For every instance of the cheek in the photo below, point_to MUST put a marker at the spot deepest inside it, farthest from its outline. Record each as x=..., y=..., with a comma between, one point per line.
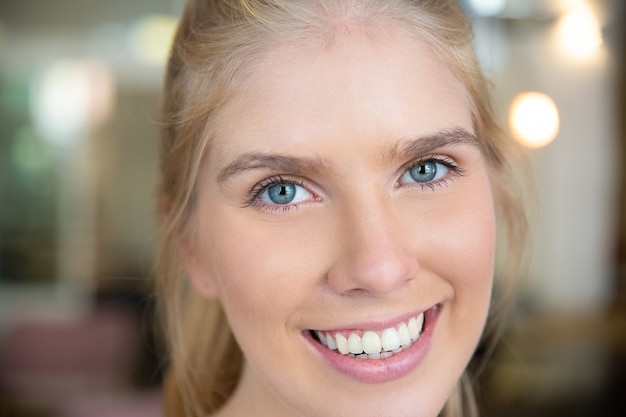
x=260, y=271
x=461, y=243
x=470, y=239
x=461, y=252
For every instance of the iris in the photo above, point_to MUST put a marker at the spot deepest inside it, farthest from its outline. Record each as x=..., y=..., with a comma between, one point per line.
x=424, y=172
x=282, y=193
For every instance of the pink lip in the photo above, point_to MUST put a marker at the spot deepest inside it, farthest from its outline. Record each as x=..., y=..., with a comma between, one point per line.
x=381, y=370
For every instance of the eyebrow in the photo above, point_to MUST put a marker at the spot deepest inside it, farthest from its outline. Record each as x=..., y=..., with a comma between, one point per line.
x=282, y=163
x=430, y=143
x=260, y=160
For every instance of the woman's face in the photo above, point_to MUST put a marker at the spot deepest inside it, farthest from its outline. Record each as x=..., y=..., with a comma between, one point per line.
x=346, y=199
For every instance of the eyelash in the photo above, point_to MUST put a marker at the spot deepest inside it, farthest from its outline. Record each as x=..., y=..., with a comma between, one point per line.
x=455, y=171
x=255, y=193
x=259, y=189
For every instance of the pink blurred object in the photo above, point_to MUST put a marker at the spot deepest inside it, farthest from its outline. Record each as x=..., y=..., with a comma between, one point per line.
x=51, y=363
x=140, y=405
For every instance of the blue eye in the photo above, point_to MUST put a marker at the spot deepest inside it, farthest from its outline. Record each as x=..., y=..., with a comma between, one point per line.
x=284, y=193
x=281, y=193
x=425, y=172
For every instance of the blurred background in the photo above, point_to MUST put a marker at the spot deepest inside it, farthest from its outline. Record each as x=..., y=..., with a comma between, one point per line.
x=79, y=87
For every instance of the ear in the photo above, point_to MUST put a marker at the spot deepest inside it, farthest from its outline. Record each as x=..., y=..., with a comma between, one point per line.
x=197, y=270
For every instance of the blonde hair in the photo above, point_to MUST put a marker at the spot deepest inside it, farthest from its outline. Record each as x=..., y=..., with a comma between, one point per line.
x=215, y=47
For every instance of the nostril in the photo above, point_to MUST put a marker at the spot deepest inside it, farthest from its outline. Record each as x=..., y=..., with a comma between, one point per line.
x=373, y=277
x=376, y=255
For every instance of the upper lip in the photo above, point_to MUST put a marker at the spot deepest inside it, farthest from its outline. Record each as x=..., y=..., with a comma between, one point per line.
x=374, y=325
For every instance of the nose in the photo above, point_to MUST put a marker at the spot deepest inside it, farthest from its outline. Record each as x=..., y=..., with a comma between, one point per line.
x=374, y=254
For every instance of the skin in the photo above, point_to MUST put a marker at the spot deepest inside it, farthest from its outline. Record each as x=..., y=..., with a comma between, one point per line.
x=363, y=243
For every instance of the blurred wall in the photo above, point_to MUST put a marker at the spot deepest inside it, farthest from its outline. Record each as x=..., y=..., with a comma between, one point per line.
x=577, y=176
x=79, y=86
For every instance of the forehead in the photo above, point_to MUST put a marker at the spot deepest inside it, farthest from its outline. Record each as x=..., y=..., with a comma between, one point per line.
x=387, y=83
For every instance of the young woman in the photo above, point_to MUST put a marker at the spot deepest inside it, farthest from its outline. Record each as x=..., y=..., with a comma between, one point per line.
x=331, y=178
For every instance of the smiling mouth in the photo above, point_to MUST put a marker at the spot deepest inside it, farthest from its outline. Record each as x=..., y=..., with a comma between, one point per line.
x=372, y=344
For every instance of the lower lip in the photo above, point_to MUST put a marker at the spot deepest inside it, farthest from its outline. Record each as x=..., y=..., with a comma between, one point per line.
x=382, y=370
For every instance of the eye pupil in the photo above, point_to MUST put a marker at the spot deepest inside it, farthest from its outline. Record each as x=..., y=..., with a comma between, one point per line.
x=282, y=193
x=424, y=172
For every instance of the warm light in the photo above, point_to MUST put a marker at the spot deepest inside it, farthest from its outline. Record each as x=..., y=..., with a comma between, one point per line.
x=152, y=37
x=579, y=32
x=487, y=7
x=534, y=119
x=71, y=97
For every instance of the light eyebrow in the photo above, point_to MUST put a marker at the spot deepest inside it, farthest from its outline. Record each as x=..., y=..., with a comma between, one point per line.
x=430, y=143
x=273, y=162
x=301, y=165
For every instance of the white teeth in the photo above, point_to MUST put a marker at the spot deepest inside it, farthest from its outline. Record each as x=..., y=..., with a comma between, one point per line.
x=403, y=334
x=415, y=327
x=342, y=344
x=354, y=344
x=371, y=343
x=420, y=322
x=330, y=342
x=390, y=339
x=414, y=331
